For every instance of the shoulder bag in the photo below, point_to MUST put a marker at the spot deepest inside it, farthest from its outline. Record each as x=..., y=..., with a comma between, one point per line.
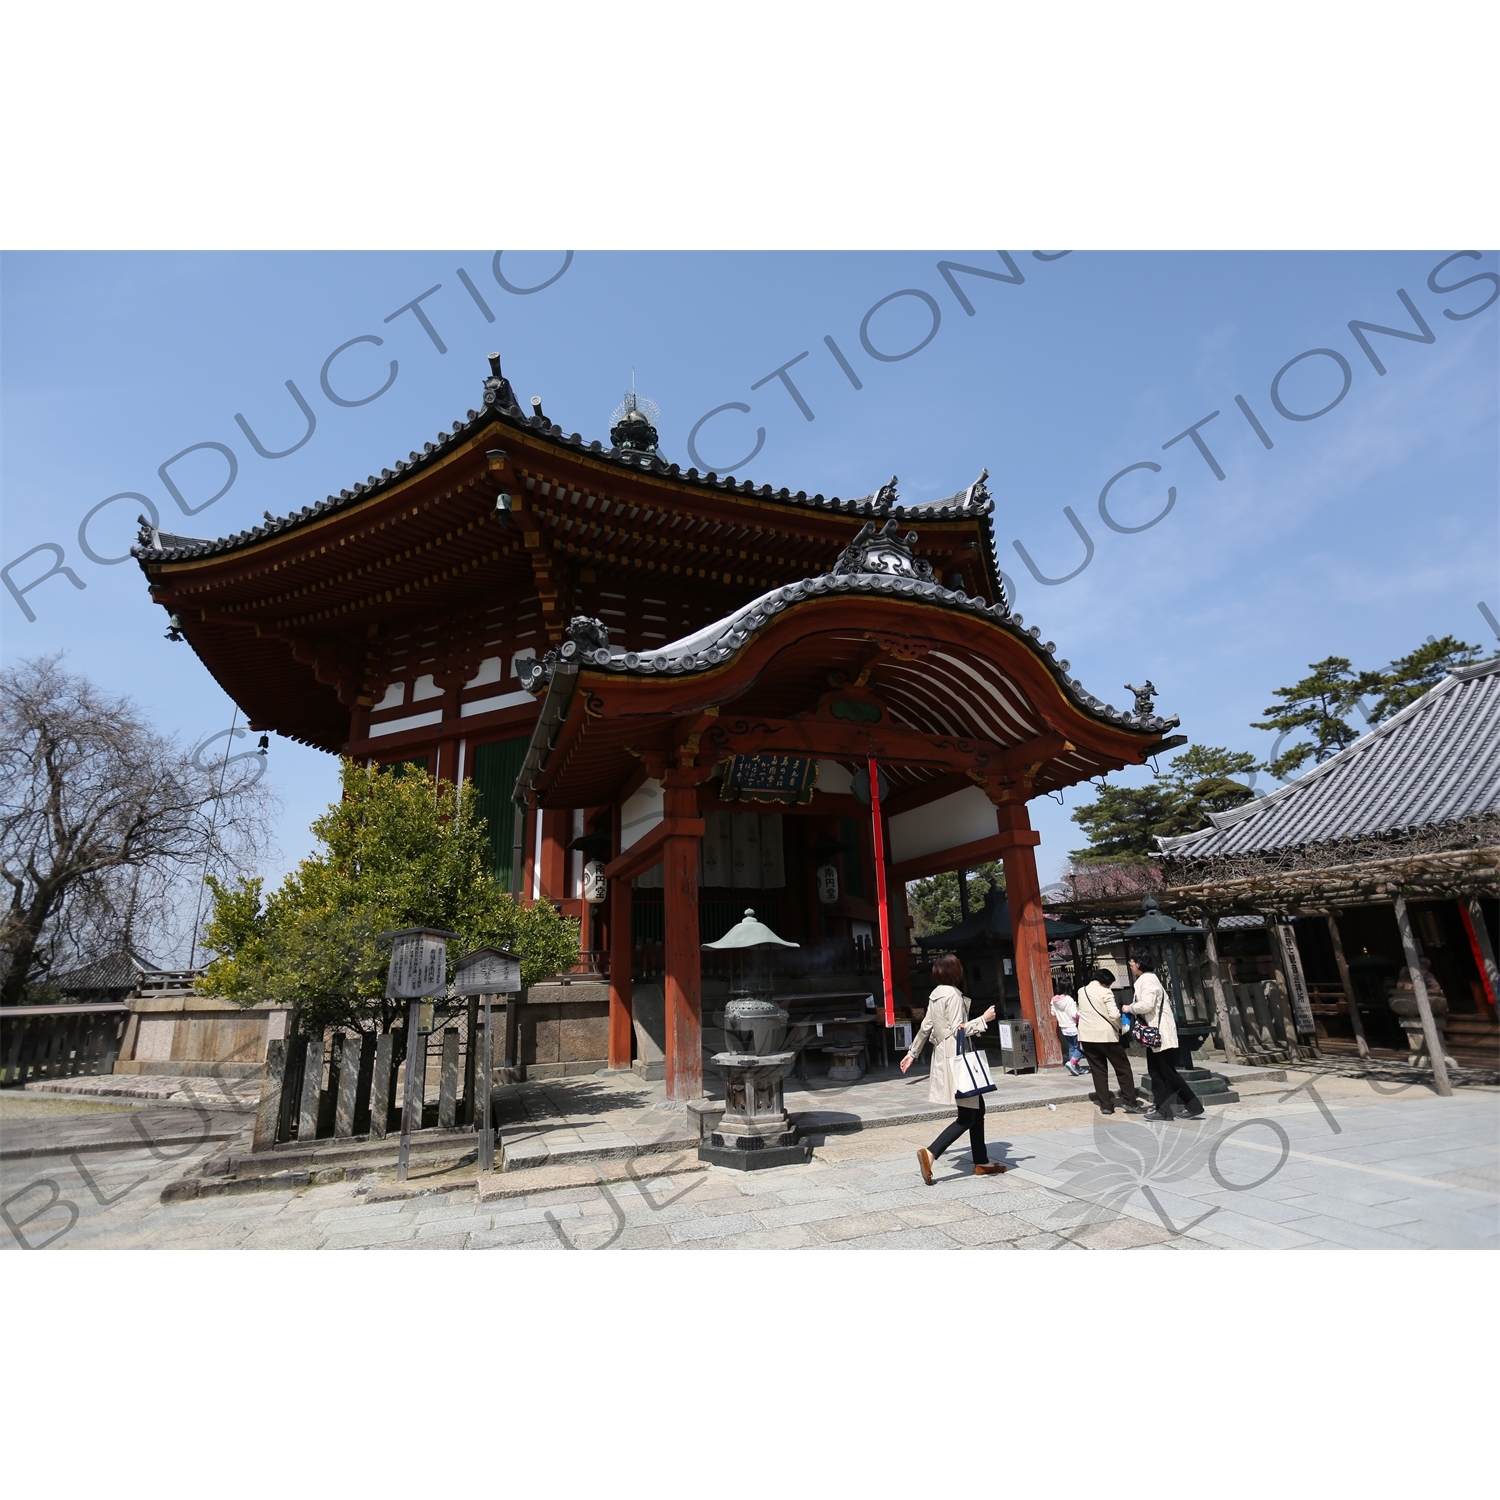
x=1150, y=1036
x=971, y=1070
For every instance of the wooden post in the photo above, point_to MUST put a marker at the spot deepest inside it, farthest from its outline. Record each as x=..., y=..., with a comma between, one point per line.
x=312, y=1083
x=1355, y=1019
x=380, y=1088
x=343, y=1121
x=682, y=981
x=882, y=898
x=470, y=1061
x=1479, y=940
x=448, y=1082
x=621, y=995
x=268, y=1111
x=411, y=1100
x=1028, y=930
x=1225, y=1012
x=1424, y=1005
x=483, y=1115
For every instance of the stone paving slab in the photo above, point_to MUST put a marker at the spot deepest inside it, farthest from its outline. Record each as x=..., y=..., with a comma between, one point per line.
x=164, y=1129
x=206, y=1093
x=610, y=1115
x=863, y=1191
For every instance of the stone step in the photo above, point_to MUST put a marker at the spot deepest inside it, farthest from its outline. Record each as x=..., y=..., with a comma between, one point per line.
x=528, y=1154
x=221, y=1184
x=1200, y=1080
x=350, y=1150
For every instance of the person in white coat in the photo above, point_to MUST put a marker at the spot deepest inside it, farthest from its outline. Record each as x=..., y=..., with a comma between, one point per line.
x=947, y=1015
x=1153, y=1007
x=1100, y=1030
x=1065, y=1012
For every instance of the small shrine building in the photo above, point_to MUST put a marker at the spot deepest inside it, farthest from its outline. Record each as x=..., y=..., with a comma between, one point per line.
x=685, y=678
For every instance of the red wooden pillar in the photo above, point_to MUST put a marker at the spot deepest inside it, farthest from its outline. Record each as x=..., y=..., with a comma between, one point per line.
x=1024, y=892
x=682, y=981
x=620, y=950
x=556, y=832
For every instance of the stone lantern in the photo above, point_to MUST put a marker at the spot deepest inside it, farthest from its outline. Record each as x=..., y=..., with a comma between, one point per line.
x=755, y=1130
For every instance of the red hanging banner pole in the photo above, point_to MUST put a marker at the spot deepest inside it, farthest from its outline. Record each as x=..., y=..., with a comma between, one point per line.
x=1474, y=948
x=880, y=896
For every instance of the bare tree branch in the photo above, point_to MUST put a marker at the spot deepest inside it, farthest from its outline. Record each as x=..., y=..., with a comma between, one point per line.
x=106, y=826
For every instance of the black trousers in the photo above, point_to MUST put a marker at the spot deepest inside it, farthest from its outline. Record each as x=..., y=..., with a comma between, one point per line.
x=1100, y=1055
x=971, y=1120
x=1167, y=1082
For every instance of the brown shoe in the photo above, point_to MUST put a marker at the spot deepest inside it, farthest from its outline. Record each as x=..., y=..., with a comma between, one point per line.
x=988, y=1168
x=924, y=1160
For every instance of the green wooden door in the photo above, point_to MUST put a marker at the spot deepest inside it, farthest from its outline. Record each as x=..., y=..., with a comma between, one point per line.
x=495, y=768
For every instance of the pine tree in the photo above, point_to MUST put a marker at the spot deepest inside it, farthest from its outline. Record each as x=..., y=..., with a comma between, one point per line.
x=934, y=901
x=1320, y=704
x=1124, y=822
x=1409, y=676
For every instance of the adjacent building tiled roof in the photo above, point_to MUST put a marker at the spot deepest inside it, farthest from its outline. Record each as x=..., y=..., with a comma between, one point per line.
x=118, y=971
x=1436, y=762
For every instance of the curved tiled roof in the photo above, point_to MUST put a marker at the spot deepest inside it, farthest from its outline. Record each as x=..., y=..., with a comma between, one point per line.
x=1434, y=763
x=500, y=406
x=714, y=644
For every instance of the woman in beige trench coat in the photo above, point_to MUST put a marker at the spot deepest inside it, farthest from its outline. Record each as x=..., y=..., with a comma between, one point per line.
x=947, y=1014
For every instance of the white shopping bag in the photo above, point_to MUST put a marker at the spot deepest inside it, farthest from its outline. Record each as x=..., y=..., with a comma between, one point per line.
x=971, y=1071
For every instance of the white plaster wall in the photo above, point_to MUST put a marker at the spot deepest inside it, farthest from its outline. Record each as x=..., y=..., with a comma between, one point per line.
x=959, y=818
x=489, y=671
x=641, y=813
x=835, y=778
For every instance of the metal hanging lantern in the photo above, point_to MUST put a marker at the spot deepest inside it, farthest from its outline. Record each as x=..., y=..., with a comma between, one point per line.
x=1174, y=946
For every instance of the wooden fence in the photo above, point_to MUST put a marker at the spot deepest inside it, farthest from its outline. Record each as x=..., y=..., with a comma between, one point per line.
x=59, y=1041
x=346, y=1084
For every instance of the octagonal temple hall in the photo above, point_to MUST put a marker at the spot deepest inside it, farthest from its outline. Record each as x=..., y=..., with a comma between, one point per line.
x=684, y=678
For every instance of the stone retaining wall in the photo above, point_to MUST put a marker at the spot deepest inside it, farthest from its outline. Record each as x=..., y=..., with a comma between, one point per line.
x=191, y=1036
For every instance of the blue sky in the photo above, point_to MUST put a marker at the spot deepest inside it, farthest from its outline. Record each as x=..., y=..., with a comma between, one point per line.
x=1359, y=533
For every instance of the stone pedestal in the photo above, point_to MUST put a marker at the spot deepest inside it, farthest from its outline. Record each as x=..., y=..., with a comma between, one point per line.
x=1211, y=1088
x=844, y=1063
x=1404, y=1004
x=649, y=1018
x=754, y=1130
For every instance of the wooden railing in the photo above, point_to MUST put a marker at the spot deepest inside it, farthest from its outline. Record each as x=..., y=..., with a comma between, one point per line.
x=59, y=1041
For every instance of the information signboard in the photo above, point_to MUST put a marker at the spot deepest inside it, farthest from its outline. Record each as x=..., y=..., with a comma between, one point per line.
x=487, y=971
x=419, y=963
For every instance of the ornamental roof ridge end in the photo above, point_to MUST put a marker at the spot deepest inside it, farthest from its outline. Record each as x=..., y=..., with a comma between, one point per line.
x=499, y=404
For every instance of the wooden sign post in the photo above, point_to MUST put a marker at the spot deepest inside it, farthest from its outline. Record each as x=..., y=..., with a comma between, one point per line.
x=486, y=972
x=418, y=972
